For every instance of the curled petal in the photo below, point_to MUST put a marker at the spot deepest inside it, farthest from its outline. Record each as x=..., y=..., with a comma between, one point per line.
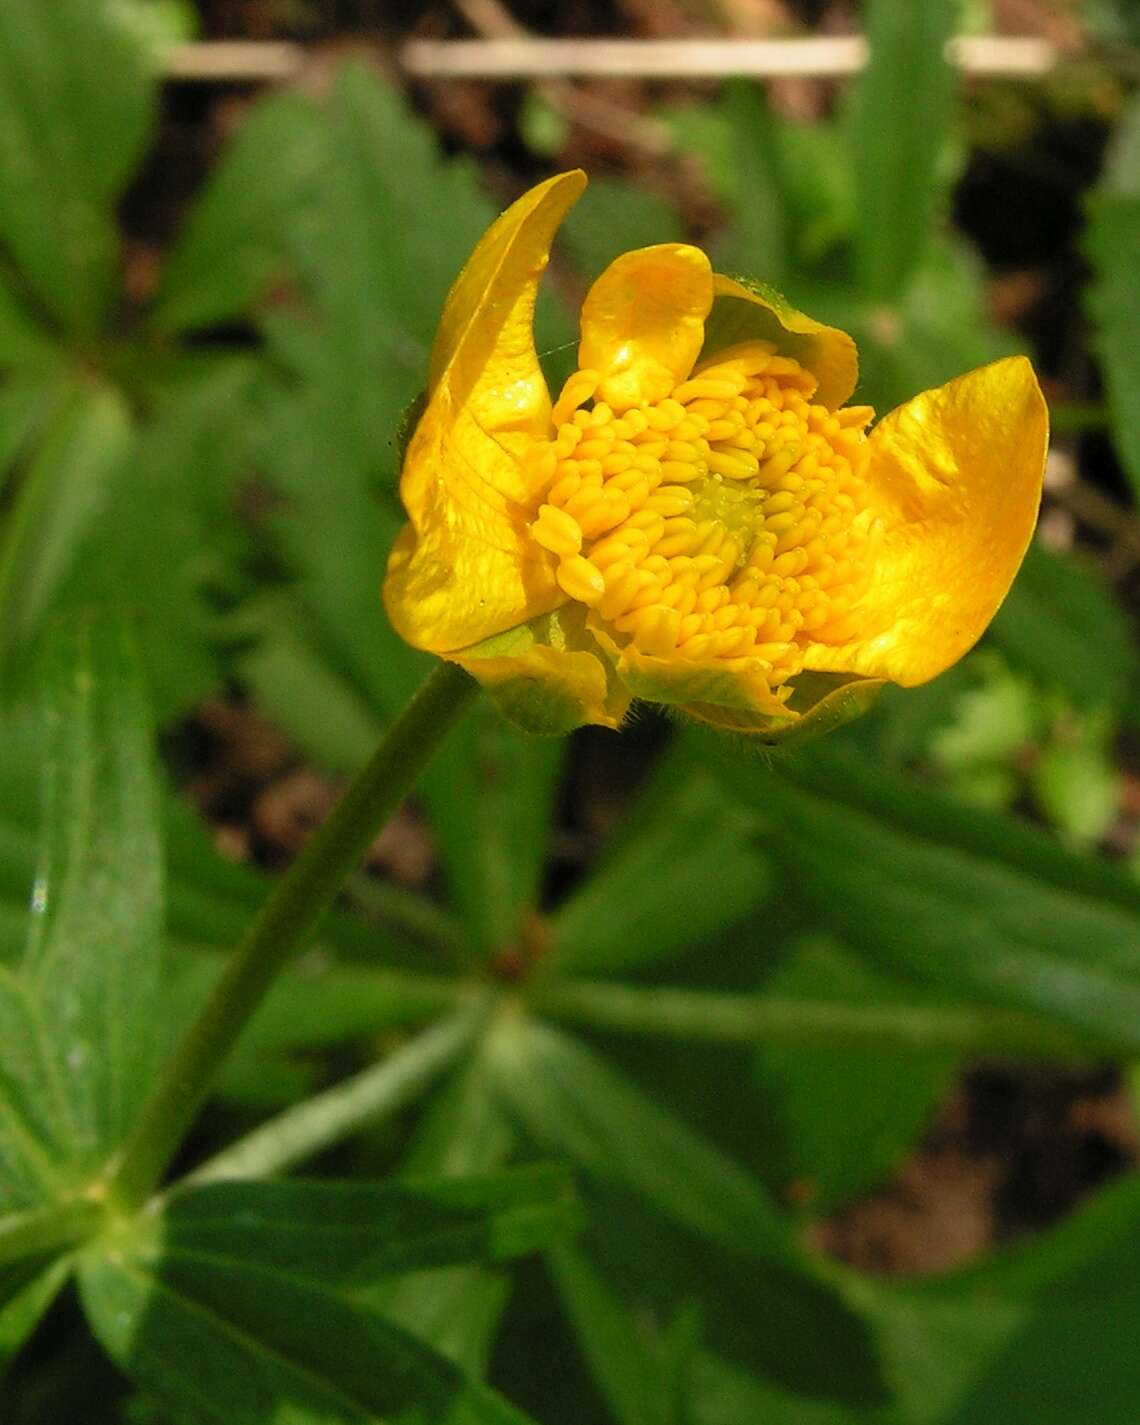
x=954, y=483
x=821, y=702
x=465, y=567
x=546, y=676
x=751, y=311
x=643, y=322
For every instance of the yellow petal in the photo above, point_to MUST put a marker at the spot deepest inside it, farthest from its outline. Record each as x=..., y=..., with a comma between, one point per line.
x=466, y=567
x=751, y=311
x=643, y=322
x=546, y=676
x=955, y=483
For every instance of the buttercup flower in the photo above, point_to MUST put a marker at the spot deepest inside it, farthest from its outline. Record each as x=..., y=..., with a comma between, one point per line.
x=696, y=519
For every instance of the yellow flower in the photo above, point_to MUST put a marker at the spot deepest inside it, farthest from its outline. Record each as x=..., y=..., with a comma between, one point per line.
x=697, y=519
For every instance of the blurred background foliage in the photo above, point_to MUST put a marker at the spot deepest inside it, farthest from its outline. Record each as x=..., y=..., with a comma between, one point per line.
x=837, y=1046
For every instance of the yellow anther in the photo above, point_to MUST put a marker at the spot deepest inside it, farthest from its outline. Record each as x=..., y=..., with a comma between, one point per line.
x=699, y=646
x=712, y=601
x=690, y=626
x=778, y=503
x=557, y=531
x=725, y=427
x=670, y=501
x=593, y=448
x=665, y=416
x=609, y=553
x=580, y=580
x=722, y=524
x=604, y=514
x=685, y=450
x=578, y=389
x=567, y=485
x=657, y=631
x=719, y=388
x=736, y=465
x=541, y=461
x=680, y=472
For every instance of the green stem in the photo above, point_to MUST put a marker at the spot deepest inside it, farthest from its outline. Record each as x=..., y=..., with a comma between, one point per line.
x=328, y=1118
x=756, y=1019
x=299, y=898
x=45, y=1230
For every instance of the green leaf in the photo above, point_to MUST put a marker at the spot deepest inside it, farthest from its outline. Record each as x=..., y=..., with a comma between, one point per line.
x=92, y=961
x=614, y=216
x=26, y=405
x=76, y=108
x=456, y=1310
x=290, y=674
x=63, y=492
x=901, y=114
x=21, y=1314
x=375, y=263
x=936, y=328
x=569, y=1099
x=723, y=1394
x=491, y=798
x=232, y=245
x=758, y=241
x=220, y=1339
x=1078, y=785
x=1041, y=1335
x=976, y=902
x=167, y=542
x=35, y=1122
x=349, y=1234
x=23, y=342
x=1061, y=624
x=628, y=914
x=1111, y=241
x=630, y=1363
x=882, y=1098
x=781, y=1323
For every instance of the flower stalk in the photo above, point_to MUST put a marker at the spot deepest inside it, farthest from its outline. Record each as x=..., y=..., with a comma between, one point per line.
x=298, y=900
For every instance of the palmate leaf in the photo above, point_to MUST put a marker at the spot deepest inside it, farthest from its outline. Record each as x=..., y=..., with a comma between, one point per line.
x=210, y=1311
x=76, y=107
x=978, y=903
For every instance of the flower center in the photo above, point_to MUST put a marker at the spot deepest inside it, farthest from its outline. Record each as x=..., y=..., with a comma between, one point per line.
x=726, y=522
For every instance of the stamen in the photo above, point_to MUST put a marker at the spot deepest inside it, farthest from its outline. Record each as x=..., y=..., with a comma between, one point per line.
x=726, y=524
